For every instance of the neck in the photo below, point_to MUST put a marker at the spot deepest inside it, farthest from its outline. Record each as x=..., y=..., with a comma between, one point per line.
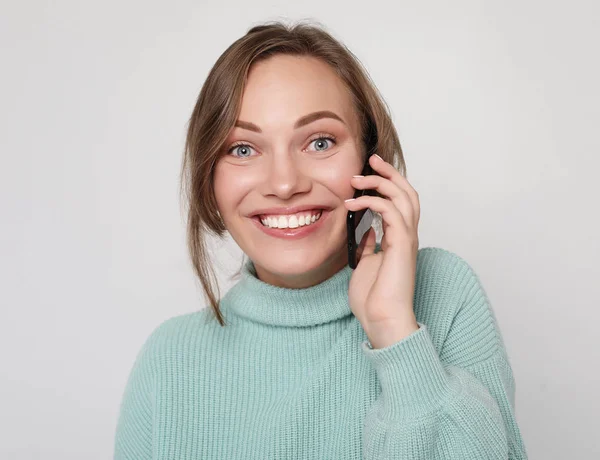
x=260, y=302
x=306, y=279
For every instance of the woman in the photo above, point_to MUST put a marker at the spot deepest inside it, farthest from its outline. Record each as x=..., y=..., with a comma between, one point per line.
x=305, y=357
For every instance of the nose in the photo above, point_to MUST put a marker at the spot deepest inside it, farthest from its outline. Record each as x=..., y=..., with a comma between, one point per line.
x=285, y=176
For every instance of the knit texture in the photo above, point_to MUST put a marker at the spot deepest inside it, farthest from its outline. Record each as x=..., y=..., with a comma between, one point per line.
x=293, y=376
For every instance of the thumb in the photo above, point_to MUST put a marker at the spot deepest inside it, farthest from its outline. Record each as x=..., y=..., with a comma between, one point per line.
x=367, y=244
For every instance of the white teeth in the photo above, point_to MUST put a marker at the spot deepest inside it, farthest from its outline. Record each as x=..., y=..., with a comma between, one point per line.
x=293, y=221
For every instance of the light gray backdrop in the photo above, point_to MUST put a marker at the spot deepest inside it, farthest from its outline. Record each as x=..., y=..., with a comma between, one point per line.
x=497, y=107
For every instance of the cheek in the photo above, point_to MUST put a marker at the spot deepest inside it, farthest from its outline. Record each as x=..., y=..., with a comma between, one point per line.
x=232, y=184
x=225, y=189
x=337, y=176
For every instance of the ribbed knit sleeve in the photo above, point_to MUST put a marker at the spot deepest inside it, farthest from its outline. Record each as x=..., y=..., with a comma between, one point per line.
x=133, y=437
x=456, y=403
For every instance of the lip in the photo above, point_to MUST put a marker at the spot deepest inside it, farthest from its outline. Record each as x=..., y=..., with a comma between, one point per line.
x=293, y=233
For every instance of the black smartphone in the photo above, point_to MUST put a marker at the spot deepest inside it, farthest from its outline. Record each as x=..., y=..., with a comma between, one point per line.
x=359, y=222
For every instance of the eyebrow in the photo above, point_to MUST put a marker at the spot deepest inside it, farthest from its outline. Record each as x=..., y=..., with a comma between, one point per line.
x=305, y=120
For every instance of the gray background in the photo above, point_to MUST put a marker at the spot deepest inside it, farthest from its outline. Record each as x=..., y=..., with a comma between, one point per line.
x=497, y=107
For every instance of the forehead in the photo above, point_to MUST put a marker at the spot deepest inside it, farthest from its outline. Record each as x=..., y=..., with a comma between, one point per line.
x=283, y=88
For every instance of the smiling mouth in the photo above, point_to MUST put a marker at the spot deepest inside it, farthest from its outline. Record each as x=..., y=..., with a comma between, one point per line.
x=299, y=220
x=296, y=231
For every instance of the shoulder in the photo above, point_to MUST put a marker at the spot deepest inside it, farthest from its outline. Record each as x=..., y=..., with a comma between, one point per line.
x=172, y=334
x=452, y=302
x=439, y=257
x=447, y=272
x=180, y=324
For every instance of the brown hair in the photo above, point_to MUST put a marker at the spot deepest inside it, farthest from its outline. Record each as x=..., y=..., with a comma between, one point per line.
x=218, y=106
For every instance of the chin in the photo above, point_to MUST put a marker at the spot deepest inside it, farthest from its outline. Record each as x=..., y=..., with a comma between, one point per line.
x=290, y=264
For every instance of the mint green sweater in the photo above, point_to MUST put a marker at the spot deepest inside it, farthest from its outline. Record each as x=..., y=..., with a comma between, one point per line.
x=293, y=376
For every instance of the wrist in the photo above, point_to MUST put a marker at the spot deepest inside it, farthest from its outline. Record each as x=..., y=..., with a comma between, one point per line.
x=385, y=334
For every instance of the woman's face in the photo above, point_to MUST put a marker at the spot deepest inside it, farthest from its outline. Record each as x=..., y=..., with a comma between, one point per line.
x=286, y=165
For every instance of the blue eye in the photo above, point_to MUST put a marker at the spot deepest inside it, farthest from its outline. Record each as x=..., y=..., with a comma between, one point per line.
x=239, y=144
x=320, y=137
x=323, y=137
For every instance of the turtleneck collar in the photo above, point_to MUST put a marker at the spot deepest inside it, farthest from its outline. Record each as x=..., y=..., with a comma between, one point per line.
x=261, y=302
x=253, y=299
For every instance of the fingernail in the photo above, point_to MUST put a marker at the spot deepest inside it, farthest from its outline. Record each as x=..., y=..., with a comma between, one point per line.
x=349, y=199
x=378, y=157
x=358, y=175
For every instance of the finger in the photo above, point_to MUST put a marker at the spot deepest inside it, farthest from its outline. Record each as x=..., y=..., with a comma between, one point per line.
x=367, y=244
x=388, y=210
x=387, y=170
x=387, y=188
